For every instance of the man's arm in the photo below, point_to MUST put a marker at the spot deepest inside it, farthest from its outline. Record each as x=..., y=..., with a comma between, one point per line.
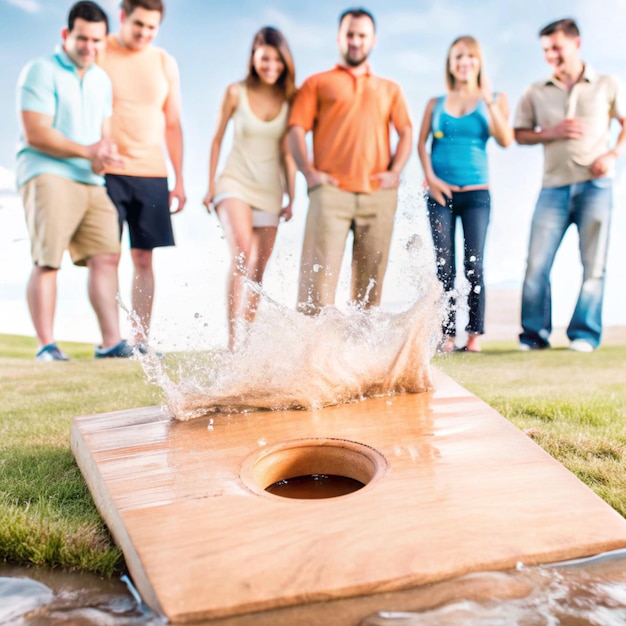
x=604, y=163
x=37, y=99
x=569, y=128
x=174, y=133
x=297, y=145
x=391, y=178
x=41, y=135
x=403, y=150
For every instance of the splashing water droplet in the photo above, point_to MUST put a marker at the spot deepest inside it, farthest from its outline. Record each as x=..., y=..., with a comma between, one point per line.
x=286, y=359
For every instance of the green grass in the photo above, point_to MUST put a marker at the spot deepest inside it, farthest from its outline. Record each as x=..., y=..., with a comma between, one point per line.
x=47, y=516
x=573, y=405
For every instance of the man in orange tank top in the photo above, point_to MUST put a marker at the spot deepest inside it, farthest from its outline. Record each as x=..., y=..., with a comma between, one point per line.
x=353, y=178
x=146, y=114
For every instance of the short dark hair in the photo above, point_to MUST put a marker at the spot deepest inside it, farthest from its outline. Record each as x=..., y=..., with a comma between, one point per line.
x=88, y=11
x=128, y=6
x=357, y=12
x=567, y=26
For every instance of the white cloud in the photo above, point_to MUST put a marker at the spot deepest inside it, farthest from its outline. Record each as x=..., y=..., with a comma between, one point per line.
x=30, y=6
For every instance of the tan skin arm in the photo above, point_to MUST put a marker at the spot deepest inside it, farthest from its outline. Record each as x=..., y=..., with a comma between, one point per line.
x=297, y=145
x=40, y=134
x=604, y=163
x=568, y=128
x=174, y=135
x=498, y=107
x=229, y=104
x=290, y=167
x=437, y=188
x=499, y=127
x=391, y=178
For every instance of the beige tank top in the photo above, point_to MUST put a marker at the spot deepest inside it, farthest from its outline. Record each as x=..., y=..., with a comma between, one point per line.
x=253, y=170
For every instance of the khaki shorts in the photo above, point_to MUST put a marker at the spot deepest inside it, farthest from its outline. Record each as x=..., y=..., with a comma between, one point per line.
x=62, y=214
x=332, y=214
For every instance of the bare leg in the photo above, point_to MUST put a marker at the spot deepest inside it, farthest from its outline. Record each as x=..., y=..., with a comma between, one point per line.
x=260, y=251
x=473, y=342
x=103, y=288
x=447, y=345
x=236, y=219
x=143, y=291
x=41, y=294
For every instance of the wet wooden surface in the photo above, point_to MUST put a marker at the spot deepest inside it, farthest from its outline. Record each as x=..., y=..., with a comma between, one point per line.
x=462, y=490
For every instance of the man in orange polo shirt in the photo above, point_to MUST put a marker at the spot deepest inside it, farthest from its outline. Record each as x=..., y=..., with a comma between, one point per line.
x=146, y=115
x=353, y=179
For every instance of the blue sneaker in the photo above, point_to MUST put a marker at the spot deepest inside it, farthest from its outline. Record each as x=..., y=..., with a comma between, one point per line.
x=120, y=351
x=51, y=352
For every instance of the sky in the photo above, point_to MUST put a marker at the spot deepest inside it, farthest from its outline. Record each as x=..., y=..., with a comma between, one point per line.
x=211, y=39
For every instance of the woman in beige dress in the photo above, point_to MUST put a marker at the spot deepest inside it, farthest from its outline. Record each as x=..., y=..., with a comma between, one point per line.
x=249, y=194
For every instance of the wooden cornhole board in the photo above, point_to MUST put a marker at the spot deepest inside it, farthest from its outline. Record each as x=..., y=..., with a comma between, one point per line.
x=461, y=490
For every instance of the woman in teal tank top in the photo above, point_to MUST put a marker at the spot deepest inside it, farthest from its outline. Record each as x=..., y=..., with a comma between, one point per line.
x=456, y=171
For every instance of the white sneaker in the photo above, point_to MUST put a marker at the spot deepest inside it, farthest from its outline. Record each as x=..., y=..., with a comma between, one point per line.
x=581, y=345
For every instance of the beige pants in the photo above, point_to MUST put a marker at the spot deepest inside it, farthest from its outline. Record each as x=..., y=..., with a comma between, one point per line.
x=62, y=214
x=332, y=214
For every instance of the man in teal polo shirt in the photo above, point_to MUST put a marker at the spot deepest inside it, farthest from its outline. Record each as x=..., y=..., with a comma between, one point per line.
x=64, y=103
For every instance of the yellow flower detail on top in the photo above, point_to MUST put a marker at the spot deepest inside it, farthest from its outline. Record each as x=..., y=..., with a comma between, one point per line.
x=438, y=134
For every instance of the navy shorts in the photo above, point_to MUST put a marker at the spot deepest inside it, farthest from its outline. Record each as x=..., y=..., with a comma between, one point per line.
x=144, y=204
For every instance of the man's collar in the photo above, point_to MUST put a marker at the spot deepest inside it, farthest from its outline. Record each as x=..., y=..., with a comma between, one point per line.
x=589, y=75
x=346, y=68
x=64, y=58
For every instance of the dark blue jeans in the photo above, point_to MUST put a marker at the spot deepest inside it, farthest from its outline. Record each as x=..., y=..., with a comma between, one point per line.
x=473, y=207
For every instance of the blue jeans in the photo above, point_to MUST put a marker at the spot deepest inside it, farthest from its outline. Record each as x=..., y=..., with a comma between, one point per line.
x=473, y=207
x=587, y=205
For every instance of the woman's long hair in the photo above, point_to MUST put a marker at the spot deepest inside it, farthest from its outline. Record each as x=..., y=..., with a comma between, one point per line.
x=474, y=47
x=270, y=36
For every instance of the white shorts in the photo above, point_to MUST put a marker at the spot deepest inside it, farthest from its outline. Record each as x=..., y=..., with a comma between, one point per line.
x=260, y=219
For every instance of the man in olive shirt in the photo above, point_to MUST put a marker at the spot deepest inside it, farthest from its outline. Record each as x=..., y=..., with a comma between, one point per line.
x=569, y=114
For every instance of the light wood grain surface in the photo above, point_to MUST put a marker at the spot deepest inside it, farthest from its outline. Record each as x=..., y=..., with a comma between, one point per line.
x=460, y=490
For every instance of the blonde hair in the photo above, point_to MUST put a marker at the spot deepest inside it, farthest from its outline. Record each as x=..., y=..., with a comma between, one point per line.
x=474, y=47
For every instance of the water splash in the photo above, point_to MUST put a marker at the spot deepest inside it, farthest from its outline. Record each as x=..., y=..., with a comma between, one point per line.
x=589, y=592
x=290, y=360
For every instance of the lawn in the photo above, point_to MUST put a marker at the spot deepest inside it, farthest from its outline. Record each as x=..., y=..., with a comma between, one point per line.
x=573, y=405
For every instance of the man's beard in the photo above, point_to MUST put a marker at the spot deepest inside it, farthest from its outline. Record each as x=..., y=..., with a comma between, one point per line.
x=354, y=62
